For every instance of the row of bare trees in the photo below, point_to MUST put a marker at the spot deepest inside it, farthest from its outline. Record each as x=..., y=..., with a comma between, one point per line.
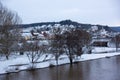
x=69, y=42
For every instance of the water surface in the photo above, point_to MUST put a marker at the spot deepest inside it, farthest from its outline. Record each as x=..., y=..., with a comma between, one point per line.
x=100, y=69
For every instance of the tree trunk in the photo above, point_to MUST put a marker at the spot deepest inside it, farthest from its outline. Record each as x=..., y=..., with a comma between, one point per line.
x=7, y=57
x=56, y=58
x=116, y=46
x=57, y=62
x=71, y=60
x=70, y=57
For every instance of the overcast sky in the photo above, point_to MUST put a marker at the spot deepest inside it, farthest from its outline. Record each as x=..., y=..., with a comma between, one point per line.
x=105, y=12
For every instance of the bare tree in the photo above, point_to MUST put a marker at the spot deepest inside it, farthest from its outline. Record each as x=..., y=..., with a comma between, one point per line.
x=75, y=40
x=56, y=43
x=34, y=51
x=9, y=33
x=117, y=41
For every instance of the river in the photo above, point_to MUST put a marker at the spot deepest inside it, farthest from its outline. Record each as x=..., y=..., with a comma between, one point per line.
x=100, y=69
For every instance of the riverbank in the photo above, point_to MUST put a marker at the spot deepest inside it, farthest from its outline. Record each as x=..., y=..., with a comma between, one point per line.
x=21, y=62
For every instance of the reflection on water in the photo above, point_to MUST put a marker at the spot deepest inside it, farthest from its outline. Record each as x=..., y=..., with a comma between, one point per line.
x=101, y=69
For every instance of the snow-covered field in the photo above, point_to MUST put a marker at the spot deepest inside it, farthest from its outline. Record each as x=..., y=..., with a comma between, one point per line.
x=22, y=62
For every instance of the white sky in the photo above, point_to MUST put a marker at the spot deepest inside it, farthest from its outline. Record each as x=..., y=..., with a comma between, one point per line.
x=105, y=12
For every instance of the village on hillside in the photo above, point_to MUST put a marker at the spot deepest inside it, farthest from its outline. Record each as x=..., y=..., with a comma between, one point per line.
x=100, y=37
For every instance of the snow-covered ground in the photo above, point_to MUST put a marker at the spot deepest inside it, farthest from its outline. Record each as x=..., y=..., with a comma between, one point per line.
x=23, y=63
x=103, y=49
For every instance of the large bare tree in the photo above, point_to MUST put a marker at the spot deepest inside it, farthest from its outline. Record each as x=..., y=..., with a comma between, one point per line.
x=9, y=33
x=75, y=40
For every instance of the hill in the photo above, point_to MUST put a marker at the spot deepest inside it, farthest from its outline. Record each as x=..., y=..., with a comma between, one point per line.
x=117, y=29
x=49, y=25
